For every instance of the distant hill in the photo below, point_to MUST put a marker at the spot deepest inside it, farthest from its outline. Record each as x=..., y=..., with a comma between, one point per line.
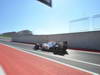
x=25, y=32
x=8, y=34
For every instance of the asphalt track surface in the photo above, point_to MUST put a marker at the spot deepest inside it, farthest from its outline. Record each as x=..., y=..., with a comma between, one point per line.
x=76, y=63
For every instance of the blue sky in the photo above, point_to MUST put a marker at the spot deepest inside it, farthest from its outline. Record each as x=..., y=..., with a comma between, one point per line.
x=16, y=15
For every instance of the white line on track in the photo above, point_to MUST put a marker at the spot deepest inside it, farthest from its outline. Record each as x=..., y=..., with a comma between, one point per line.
x=52, y=60
x=85, y=51
x=81, y=61
x=2, y=72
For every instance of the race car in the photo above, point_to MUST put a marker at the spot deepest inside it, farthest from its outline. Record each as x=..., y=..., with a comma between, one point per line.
x=57, y=48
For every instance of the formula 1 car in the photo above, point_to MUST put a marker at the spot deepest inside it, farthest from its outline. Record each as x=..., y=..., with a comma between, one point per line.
x=56, y=48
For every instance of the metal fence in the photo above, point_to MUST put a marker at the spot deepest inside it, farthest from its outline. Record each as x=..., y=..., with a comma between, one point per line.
x=85, y=24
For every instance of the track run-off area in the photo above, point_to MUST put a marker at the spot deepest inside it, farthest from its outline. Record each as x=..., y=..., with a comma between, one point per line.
x=19, y=59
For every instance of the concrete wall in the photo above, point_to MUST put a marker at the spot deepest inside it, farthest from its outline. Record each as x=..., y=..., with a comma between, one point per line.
x=29, y=38
x=83, y=40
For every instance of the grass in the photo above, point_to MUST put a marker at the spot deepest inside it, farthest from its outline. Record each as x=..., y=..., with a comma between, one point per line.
x=7, y=36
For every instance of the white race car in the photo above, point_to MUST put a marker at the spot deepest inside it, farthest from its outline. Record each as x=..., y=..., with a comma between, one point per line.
x=56, y=48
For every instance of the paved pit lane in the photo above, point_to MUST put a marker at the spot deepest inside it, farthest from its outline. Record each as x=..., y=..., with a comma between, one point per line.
x=84, y=60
